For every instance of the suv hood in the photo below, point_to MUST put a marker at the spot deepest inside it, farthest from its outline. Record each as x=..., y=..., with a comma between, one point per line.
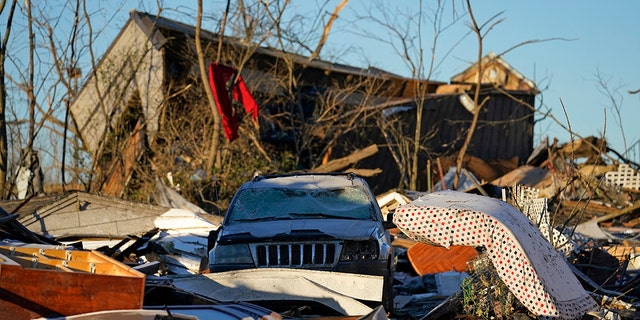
x=313, y=228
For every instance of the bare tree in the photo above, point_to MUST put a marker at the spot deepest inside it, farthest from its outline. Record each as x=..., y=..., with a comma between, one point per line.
x=616, y=100
x=40, y=111
x=45, y=70
x=3, y=99
x=477, y=105
x=405, y=37
x=215, y=138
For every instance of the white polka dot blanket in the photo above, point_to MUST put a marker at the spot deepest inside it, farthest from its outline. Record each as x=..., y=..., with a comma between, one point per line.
x=527, y=263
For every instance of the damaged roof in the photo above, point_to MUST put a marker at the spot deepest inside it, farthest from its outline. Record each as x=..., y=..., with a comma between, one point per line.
x=85, y=213
x=153, y=26
x=497, y=72
x=136, y=62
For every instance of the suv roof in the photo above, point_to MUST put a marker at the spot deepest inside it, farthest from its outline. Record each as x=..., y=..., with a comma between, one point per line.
x=306, y=180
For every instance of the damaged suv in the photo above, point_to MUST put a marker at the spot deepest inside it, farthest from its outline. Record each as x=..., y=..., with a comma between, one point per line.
x=325, y=221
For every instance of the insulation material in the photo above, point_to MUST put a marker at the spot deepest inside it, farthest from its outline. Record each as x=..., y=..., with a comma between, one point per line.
x=532, y=269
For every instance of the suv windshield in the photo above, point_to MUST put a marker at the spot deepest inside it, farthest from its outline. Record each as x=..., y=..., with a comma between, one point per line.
x=260, y=204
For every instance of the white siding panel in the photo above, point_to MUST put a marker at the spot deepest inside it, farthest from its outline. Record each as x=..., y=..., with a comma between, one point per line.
x=131, y=64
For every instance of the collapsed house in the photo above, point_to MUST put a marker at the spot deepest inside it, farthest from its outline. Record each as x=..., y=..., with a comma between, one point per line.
x=503, y=137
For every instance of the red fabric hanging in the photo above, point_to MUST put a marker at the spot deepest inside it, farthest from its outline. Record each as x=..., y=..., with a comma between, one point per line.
x=219, y=75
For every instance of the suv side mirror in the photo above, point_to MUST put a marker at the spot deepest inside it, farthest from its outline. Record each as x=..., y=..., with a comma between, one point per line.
x=388, y=223
x=211, y=238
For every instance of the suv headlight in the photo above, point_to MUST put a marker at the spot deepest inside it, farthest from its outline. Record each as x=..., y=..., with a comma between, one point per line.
x=359, y=250
x=230, y=254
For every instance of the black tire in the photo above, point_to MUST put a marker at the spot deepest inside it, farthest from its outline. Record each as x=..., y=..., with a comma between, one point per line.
x=387, y=291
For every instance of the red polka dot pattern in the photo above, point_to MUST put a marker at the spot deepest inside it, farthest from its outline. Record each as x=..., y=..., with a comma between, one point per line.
x=530, y=267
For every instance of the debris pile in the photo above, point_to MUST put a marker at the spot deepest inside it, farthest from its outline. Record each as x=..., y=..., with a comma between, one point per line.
x=587, y=210
x=556, y=237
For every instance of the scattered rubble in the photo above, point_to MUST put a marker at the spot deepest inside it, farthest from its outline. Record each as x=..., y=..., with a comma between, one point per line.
x=525, y=261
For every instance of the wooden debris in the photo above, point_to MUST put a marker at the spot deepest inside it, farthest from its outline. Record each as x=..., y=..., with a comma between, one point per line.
x=428, y=259
x=122, y=167
x=590, y=207
x=365, y=172
x=530, y=176
x=591, y=148
x=618, y=213
x=45, y=281
x=483, y=170
x=341, y=163
x=595, y=170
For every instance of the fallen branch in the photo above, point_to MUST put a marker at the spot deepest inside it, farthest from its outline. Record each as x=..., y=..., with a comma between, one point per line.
x=341, y=163
x=365, y=172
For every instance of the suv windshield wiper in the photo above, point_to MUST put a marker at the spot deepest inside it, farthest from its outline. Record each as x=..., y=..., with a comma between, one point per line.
x=321, y=216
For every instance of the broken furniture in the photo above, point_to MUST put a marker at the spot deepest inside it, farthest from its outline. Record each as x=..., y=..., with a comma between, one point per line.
x=50, y=281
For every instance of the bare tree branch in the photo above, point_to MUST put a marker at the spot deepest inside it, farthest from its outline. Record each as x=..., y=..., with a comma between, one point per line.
x=523, y=43
x=616, y=99
x=327, y=29
x=476, y=96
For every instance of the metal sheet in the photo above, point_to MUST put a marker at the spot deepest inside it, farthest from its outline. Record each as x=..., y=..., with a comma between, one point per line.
x=338, y=291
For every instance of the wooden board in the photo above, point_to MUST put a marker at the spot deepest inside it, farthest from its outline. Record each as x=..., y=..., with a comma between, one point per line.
x=428, y=259
x=46, y=282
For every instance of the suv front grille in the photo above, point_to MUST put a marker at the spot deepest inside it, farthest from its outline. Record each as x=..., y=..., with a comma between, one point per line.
x=301, y=255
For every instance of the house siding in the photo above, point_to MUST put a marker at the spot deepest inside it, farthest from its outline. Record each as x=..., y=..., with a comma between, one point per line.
x=131, y=65
x=505, y=131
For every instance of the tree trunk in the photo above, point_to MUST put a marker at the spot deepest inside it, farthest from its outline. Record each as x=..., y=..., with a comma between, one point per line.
x=29, y=88
x=413, y=183
x=3, y=129
x=3, y=103
x=215, y=136
x=476, y=105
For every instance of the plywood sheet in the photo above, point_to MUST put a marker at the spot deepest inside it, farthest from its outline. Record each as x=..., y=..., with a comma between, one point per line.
x=428, y=259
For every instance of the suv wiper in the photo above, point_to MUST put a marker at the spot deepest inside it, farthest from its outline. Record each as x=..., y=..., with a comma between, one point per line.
x=320, y=216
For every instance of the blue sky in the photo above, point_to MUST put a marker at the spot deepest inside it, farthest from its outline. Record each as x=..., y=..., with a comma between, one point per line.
x=599, y=37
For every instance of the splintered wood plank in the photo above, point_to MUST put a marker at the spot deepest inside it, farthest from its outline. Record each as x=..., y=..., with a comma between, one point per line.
x=49, y=282
x=429, y=259
x=54, y=292
x=66, y=260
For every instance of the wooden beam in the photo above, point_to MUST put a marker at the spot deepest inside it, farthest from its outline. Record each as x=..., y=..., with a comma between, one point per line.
x=365, y=172
x=341, y=163
x=618, y=213
x=588, y=206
